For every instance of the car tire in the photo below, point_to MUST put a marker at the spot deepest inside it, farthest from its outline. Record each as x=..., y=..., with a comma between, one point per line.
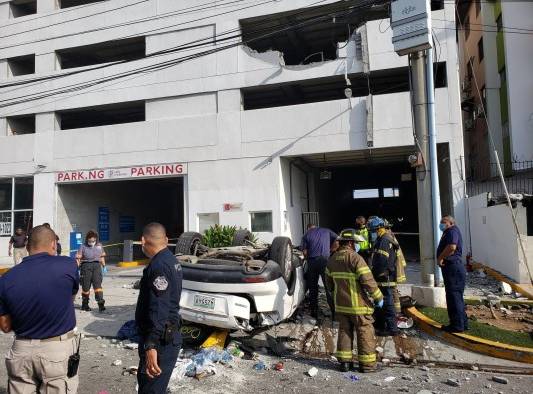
x=281, y=253
x=188, y=243
x=242, y=238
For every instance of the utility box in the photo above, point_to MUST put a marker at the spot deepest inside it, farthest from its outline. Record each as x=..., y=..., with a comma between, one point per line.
x=411, y=26
x=75, y=243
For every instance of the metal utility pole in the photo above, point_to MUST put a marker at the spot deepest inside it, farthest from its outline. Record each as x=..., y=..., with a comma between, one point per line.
x=411, y=26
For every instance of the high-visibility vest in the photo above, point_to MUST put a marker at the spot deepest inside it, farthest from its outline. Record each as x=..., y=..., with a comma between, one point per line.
x=363, y=232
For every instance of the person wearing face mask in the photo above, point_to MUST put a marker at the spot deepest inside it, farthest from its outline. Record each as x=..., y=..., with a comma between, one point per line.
x=449, y=258
x=356, y=294
x=362, y=230
x=157, y=313
x=91, y=260
x=384, y=259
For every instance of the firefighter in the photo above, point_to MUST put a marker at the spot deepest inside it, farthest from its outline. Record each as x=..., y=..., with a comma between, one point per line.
x=355, y=294
x=401, y=263
x=362, y=230
x=384, y=260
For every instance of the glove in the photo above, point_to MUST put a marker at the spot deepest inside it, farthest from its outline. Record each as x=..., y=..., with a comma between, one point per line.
x=104, y=270
x=379, y=304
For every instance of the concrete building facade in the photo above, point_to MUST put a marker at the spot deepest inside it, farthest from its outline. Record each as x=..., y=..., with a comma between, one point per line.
x=115, y=113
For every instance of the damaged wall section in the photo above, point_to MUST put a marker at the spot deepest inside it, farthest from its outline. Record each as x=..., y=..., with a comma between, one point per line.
x=332, y=88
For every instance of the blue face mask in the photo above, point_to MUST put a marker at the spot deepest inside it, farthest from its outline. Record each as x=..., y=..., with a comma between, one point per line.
x=357, y=248
x=373, y=237
x=442, y=226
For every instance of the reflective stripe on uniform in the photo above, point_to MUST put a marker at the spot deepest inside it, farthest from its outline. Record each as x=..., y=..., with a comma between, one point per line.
x=344, y=355
x=367, y=358
x=85, y=292
x=362, y=271
x=355, y=310
x=383, y=252
x=376, y=294
x=99, y=290
x=386, y=284
x=401, y=279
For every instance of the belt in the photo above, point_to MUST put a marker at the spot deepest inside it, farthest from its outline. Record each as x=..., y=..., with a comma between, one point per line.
x=64, y=337
x=92, y=261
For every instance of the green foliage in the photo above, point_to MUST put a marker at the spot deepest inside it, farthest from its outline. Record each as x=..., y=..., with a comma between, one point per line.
x=482, y=330
x=219, y=236
x=222, y=236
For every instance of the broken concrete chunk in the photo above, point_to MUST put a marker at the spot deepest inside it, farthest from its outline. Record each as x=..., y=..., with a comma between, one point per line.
x=116, y=363
x=403, y=389
x=505, y=288
x=424, y=392
x=500, y=379
x=312, y=372
x=379, y=349
x=389, y=379
x=453, y=382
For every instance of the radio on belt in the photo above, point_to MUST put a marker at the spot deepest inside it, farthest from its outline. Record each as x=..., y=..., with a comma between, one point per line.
x=411, y=26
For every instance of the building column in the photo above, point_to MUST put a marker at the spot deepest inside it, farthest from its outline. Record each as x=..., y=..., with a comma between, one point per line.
x=45, y=63
x=44, y=199
x=44, y=6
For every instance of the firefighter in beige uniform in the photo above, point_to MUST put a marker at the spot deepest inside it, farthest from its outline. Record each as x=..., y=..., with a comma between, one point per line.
x=355, y=294
x=401, y=263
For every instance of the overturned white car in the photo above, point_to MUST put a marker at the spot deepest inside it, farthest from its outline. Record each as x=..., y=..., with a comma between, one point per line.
x=245, y=286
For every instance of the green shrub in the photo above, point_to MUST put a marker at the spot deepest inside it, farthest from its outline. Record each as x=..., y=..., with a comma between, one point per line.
x=221, y=236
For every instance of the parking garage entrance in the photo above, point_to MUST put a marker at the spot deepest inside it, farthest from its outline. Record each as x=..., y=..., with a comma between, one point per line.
x=117, y=203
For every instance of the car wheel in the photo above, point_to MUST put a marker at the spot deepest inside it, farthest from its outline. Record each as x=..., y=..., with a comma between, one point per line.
x=188, y=243
x=281, y=253
x=242, y=238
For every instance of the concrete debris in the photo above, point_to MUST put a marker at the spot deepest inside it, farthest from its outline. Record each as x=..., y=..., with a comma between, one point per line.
x=312, y=372
x=474, y=368
x=131, y=346
x=116, y=363
x=379, y=349
x=408, y=377
x=385, y=361
x=130, y=370
x=403, y=389
x=424, y=392
x=505, y=288
x=453, y=382
x=500, y=379
x=389, y=379
x=424, y=368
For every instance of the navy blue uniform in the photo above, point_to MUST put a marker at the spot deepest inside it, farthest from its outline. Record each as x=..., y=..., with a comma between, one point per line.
x=384, y=271
x=158, y=309
x=454, y=275
x=37, y=294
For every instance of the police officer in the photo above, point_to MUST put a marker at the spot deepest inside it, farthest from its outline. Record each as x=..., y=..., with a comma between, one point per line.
x=362, y=230
x=157, y=314
x=355, y=293
x=449, y=257
x=91, y=259
x=36, y=302
x=384, y=270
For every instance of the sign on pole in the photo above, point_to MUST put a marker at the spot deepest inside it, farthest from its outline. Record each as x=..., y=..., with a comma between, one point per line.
x=411, y=26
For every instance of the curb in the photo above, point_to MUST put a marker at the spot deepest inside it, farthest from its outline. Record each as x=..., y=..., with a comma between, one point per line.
x=472, y=343
x=502, y=278
x=129, y=264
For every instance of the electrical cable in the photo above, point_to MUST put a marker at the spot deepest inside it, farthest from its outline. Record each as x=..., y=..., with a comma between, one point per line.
x=163, y=65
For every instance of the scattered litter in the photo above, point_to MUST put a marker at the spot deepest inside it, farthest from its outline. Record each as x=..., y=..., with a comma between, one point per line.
x=131, y=346
x=405, y=322
x=116, y=363
x=351, y=377
x=453, y=382
x=216, y=339
x=130, y=370
x=389, y=379
x=385, y=360
x=424, y=368
x=260, y=366
x=474, y=368
x=500, y=379
x=312, y=372
x=279, y=366
x=505, y=288
x=180, y=369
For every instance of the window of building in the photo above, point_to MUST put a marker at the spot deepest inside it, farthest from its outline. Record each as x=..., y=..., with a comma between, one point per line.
x=18, y=8
x=207, y=220
x=21, y=65
x=102, y=52
x=74, y=3
x=16, y=205
x=391, y=192
x=480, y=52
x=102, y=115
x=22, y=124
x=365, y=193
x=261, y=222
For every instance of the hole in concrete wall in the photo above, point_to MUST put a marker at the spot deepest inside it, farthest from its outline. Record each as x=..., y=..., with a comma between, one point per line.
x=74, y=3
x=103, y=52
x=308, y=42
x=102, y=115
x=21, y=65
x=20, y=8
x=22, y=124
x=332, y=88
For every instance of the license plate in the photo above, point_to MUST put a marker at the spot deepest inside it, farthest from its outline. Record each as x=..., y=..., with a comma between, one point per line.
x=204, y=302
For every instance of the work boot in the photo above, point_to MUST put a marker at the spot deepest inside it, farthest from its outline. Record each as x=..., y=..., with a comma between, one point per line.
x=85, y=305
x=101, y=306
x=344, y=366
x=366, y=369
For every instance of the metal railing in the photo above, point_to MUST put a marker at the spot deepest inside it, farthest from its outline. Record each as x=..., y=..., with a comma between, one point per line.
x=518, y=177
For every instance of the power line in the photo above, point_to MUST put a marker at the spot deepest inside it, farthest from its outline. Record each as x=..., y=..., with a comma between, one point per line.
x=169, y=63
x=146, y=19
